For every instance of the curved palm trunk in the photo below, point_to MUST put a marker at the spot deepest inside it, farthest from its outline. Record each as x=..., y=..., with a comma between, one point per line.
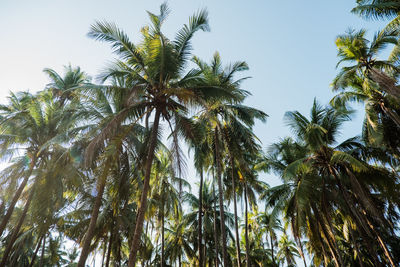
x=216, y=241
x=101, y=183
x=221, y=199
x=17, y=228
x=300, y=248
x=235, y=214
x=246, y=226
x=36, y=251
x=15, y=198
x=200, y=231
x=143, y=200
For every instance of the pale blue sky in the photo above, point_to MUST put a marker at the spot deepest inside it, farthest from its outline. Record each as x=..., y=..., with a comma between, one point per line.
x=289, y=45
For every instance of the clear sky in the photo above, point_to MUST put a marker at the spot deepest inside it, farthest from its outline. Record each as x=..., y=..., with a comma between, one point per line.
x=289, y=45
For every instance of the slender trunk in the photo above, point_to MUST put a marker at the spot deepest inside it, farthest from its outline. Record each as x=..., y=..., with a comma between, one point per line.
x=143, y=199
x=101, y=183
x=104, y=251
x=300, y=248
x=200, y=231
x=36, y=251
x=246, y=225
x=110, y=242
x=235, y=214
x=221, y=199
x=43, y=250
x=216, y=240
x=17, y=228
x=272, y=249
x=162, y=235
x=15, y=198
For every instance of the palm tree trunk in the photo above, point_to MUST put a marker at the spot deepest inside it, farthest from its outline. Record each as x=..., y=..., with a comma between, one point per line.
x=272, y=249
x=200, y=231
x=216, y=240
x=104, y=251
x=235, y=214
x=300, y=248
x=110, y=242
x=36, y=251
x=162, y=235
x=101, y=183
x=43, y=250
x=17, y=228
x=246, y=226
x=221, y=199
x=15, y=198
x=143, y=199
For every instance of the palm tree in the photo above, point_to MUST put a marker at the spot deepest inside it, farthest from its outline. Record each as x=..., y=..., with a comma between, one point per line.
x=65, y=88
x=37, y=125
x=271, y=224
x=353, y=47
x=287, y=251
x=380, y=9
x=155, y=72
x=335, y=165
x=224, y=118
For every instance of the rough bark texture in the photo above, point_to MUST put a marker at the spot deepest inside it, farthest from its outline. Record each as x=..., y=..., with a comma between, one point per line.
x=143, y=200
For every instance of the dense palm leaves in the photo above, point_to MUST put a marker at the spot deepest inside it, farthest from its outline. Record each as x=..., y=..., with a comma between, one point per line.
x=97, y=171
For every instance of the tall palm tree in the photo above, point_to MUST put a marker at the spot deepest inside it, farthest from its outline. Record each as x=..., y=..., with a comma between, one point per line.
x=38, y=126
x=222, y=119
x=335, y=165
x=158, y=83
